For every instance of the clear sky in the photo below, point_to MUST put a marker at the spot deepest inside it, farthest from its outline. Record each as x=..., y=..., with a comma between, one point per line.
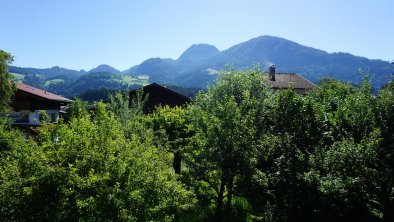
x=82, y=34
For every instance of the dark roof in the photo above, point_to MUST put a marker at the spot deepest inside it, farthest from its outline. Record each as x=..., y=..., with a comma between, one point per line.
x=41, y=93
x=151, y=86
x=285, y=80
x=160, y=95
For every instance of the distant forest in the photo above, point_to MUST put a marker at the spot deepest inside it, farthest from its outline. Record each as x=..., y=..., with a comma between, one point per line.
x=103, y=94
x=92, y=86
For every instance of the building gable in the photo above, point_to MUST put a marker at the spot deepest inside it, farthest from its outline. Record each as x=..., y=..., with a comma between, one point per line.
x=160, y=96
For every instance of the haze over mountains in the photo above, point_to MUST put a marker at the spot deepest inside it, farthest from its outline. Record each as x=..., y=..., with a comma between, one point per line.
x=201, y=63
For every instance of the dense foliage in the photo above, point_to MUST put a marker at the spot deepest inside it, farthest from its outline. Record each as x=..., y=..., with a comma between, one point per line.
x=89, y=169
x=97, y=94
x=89, y=82
x=240, y=152
x=264, y=155
x=6, y=87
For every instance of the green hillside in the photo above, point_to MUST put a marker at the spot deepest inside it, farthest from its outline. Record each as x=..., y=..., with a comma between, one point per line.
x=71, y=87
x=18, y=77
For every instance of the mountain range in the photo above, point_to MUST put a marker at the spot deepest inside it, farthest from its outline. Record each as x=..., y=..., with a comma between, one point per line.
x=200, y=64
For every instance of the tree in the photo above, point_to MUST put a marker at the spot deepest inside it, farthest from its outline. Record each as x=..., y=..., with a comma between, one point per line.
x=291, y=132
x=77, y=109
x=119, y=105
x=176, y=126
x=90, y=169
x=346, y=177
x=344, y=165
x=7, y=87
x=385, y=118
x=224, y=120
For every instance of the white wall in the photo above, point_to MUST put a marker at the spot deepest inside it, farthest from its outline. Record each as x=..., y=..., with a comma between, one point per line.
x=34, y=117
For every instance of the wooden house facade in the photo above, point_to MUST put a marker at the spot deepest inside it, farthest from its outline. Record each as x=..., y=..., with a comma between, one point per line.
x=28, y=101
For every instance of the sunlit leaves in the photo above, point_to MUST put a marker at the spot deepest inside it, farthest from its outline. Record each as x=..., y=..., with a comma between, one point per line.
x=91, y=169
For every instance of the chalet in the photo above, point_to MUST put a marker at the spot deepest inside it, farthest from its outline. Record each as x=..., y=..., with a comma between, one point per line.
x=279, y=81
x=28, y=101
x=160, y=96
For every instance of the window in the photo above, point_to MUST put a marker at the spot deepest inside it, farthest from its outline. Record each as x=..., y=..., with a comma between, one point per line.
x=53, y=117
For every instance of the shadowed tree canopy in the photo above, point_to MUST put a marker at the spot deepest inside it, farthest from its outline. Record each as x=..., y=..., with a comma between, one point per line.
x=6, y=87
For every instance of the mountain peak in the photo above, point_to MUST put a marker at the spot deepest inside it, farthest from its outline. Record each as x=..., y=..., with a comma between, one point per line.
x=105, y=68
x=266, y=50
x=198, y=52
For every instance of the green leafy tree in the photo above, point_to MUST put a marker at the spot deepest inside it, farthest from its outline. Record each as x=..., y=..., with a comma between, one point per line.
x=344, y=166
x=7, y=87
x=126, y=109
x=292, y=132
x=345, y=111
x=224, y=121
x=77, y=109
x=347, y=179
x=176, y=126
x=385, y=119
x=89, y=169
x=129, y=111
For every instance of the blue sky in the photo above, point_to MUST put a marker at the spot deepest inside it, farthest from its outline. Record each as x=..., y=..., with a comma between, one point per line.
x=82, y=34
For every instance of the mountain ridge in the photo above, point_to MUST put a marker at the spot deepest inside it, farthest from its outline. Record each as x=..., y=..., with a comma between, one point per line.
x=289, y=56
x=199, y=64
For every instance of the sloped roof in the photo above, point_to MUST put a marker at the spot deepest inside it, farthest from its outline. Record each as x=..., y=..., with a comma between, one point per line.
x=41, y=93
x=285, y=80
x=160, y=95
x=151, y=86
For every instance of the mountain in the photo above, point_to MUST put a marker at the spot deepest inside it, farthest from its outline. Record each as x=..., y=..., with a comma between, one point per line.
x=313, y=63
x=130, y=70
x=105, y=68
x=93, y=82
x=42, y=78
x=196, y=55
x=70, y=83
x=267, y=50
x=48, y=72
x=159, y=70
x=188, y=70
x=200, y=63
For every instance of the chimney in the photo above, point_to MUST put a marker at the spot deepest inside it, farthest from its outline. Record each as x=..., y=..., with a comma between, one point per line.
x=271, y=74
